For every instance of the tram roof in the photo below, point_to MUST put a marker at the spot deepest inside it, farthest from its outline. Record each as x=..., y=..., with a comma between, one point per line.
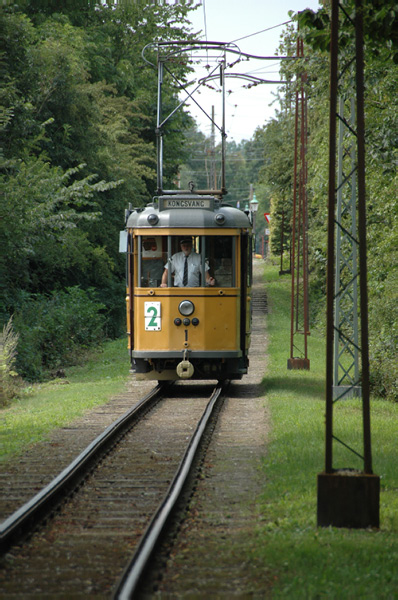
x=188, y=211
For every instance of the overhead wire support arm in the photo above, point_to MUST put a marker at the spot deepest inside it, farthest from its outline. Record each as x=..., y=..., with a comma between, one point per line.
x=183, y=46
x=254, y=80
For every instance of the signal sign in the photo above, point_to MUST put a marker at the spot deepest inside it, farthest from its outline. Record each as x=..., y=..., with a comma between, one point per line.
x=268, y=217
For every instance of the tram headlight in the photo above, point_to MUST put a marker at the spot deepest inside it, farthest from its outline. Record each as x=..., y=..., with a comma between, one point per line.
x=152, y=219
x=219, y=219
x=186, y=308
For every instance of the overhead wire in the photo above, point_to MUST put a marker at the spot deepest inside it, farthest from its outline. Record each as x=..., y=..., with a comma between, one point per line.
x=258, y=70
x=261, y=31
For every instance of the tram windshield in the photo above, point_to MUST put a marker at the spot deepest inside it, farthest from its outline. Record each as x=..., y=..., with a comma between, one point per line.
x=210, y=261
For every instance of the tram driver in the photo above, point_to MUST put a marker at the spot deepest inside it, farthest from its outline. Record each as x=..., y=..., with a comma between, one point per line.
x=186, y=266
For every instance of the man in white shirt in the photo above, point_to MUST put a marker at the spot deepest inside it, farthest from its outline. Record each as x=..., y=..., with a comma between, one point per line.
x=186, y=266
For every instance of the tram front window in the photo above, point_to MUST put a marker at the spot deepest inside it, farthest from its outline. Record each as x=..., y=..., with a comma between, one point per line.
x=186, y=260
x=187, y=266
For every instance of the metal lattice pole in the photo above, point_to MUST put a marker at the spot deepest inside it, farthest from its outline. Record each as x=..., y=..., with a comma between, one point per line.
x=347, y=497
x=346, y=350
x=299, y=329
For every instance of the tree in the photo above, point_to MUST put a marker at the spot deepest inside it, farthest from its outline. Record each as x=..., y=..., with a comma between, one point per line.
x=78, y=109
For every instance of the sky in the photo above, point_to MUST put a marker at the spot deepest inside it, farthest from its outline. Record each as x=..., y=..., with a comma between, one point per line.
x=230, y=20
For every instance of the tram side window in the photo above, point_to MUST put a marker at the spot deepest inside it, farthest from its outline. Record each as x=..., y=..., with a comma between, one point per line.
x=152, y=261
x=220, y=252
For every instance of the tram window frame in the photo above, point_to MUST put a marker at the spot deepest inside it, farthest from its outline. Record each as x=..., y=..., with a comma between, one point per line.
x=129, y=258
x=151, y=253
x=221, y=256
x=250, y=255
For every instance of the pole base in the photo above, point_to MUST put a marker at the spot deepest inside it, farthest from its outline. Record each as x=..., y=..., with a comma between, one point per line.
x=348, y=498
x=298, y=363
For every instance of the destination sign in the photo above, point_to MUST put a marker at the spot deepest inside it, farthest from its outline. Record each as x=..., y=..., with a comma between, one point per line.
x=184, y=202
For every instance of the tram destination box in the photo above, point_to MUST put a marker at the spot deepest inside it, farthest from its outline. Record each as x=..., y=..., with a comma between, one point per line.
x=186, y=202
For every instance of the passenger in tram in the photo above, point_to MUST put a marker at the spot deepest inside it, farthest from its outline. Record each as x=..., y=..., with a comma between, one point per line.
x=186, y=266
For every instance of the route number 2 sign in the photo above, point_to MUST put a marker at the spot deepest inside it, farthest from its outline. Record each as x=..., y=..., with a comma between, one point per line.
x=153, y=319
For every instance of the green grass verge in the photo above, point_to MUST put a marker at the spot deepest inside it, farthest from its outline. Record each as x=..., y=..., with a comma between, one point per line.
x=304, y=561
x=41, y=408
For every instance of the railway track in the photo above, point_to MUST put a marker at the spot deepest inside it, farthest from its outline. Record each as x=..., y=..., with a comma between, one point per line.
x=89, y=561
x=26, y=518
x=83, y=549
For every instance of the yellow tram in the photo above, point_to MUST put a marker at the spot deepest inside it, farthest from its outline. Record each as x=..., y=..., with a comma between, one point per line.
x=189, y=258
x=200, y=329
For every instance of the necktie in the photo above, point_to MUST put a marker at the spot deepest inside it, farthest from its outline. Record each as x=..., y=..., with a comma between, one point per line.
x=185, y=278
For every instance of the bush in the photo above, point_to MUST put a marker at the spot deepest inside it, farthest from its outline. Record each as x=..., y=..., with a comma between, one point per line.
x=55, y=329
x=383, y=329
x=8, y=353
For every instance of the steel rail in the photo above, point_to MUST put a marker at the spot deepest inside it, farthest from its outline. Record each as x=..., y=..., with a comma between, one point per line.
x=23, y=520
x=135, y=570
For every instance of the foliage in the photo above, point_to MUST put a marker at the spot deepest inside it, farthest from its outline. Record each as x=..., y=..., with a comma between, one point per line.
x=379, y=22
x=277, y=174
x=383, y=279
x=8, y=353
x=77, y=115
x=54, y=330
x=43, y=212
x=381, y=120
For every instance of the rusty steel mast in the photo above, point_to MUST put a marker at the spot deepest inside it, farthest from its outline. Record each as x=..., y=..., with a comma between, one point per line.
x=347, y=497
x=299, y=328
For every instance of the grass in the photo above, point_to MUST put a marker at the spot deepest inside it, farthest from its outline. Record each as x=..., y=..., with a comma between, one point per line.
x=41, y=408
x=304, y=561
